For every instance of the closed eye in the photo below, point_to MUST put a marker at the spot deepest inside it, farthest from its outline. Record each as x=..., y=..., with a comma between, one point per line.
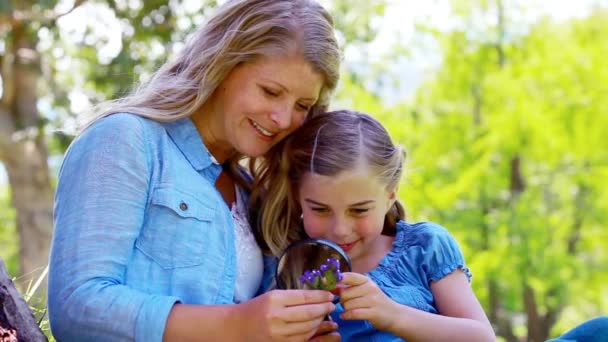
x=303, y=107
x=270, y=92
x=359, y=211
x=320, y=210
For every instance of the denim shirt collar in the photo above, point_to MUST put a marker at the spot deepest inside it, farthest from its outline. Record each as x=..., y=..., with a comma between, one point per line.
x=189, y=141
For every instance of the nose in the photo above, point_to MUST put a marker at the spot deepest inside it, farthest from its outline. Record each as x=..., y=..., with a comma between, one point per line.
x=282, y=116
x=341, y=228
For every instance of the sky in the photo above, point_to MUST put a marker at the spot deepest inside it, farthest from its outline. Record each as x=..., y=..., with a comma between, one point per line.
x=396, y=27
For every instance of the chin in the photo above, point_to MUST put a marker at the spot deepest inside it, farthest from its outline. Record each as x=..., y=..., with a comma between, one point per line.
x=253, y=152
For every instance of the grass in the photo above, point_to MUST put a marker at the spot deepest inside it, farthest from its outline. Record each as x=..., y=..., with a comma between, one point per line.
x=36, y=300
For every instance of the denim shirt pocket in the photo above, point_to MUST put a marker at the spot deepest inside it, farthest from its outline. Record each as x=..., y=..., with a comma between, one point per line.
x=175, y=229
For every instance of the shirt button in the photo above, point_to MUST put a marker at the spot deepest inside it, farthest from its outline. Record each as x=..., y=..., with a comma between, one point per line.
x=183, y=206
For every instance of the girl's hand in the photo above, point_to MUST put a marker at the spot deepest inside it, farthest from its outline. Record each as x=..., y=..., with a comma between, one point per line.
x=284, y=315
x=362, y=299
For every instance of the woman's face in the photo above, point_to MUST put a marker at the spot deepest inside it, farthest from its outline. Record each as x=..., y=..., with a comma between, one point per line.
x=258, y=104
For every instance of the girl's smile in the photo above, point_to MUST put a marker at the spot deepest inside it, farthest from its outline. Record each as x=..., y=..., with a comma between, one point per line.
x=347, y=246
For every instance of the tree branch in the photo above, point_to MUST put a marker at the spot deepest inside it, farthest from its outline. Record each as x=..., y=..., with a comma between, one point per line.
x=501, y=34
x=77, y=4
x=44, y=17
x=6, y=72
x=579, y=204
x=7, y=128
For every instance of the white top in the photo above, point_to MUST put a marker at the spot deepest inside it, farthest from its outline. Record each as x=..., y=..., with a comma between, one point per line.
x=249, y=260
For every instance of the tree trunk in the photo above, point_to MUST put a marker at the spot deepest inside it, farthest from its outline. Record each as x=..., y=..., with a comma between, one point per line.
x=32, y=196
x=23, y=150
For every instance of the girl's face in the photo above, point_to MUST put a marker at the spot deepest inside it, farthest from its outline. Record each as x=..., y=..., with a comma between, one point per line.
x=258, y=104
x=347, y=209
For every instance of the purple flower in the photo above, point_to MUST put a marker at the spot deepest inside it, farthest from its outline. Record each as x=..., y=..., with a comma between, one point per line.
x=325, y=278
x=333, y=263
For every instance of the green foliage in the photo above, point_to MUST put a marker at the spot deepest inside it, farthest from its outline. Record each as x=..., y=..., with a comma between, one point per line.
x=9, y=243
x=541, y=106
x=539, y=116
x=6, y=7
x=355, y=22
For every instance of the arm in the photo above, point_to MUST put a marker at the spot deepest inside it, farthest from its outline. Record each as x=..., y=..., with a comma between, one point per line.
x=285, y=315
x=461, y=319
x=99, y=209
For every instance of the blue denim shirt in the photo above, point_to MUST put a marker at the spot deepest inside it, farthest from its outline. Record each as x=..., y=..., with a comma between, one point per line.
x=422, y=252
x=139, y=226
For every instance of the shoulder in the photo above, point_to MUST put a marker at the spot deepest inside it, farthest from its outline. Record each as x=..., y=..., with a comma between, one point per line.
x=433, y=247
x=129, y=130
x=421, y=234
x=124, y=124
x=120, y=135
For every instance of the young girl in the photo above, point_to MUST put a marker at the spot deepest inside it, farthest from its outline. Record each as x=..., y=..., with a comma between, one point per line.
x=339, y=174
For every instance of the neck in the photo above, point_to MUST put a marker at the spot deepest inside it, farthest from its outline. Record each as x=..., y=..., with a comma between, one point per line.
x=369, y=262
x=212, y=135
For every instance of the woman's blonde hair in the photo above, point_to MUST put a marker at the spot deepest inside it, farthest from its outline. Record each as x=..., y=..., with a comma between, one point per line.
x=327, y=144
x=239, y=32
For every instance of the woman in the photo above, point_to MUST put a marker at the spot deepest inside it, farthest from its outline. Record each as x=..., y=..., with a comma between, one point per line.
x=151, y=241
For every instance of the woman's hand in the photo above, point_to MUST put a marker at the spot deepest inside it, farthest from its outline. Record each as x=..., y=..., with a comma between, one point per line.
x=327, y=332
x=285, y=315
x=362, y=299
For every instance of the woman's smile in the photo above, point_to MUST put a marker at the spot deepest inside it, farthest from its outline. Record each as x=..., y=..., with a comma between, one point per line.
x=262, y=133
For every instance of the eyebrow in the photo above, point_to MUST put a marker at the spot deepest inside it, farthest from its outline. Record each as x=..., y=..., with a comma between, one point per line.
x=313, y=99
x=351, y=205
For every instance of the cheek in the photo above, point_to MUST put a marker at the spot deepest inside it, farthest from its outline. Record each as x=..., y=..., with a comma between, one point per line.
x=315, y=226
x=247, y=101
x=369, y=226
x=298, y=120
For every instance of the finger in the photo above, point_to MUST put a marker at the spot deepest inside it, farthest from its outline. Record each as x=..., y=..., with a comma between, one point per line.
x=307, y=312
x=300, y=297
x=326, y=327
x=357, y=314
x=331, y=337
x=356, y=303
x=306, y=328
x=355, y=292
x=353, y=279
x=297, y=338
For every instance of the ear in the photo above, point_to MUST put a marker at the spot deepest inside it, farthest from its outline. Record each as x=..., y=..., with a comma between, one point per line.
x=392, y=197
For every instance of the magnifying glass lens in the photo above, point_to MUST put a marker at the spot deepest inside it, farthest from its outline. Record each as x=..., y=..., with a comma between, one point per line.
x=312, y=264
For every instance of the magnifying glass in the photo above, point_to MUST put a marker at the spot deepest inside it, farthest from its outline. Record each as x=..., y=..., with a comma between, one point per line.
x=311, y=263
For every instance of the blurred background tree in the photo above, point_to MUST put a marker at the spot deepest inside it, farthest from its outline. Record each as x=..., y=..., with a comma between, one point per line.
x=504, y=129
x=512, y=157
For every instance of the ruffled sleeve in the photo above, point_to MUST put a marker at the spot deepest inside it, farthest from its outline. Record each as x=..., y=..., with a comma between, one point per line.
x=442, y=254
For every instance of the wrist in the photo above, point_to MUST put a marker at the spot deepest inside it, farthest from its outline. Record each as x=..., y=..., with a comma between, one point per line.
x=234, y=317
x=398, y=318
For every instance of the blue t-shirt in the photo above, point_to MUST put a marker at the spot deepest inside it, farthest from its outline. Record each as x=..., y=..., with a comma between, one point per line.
x=139, y=226
x=422, y=252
